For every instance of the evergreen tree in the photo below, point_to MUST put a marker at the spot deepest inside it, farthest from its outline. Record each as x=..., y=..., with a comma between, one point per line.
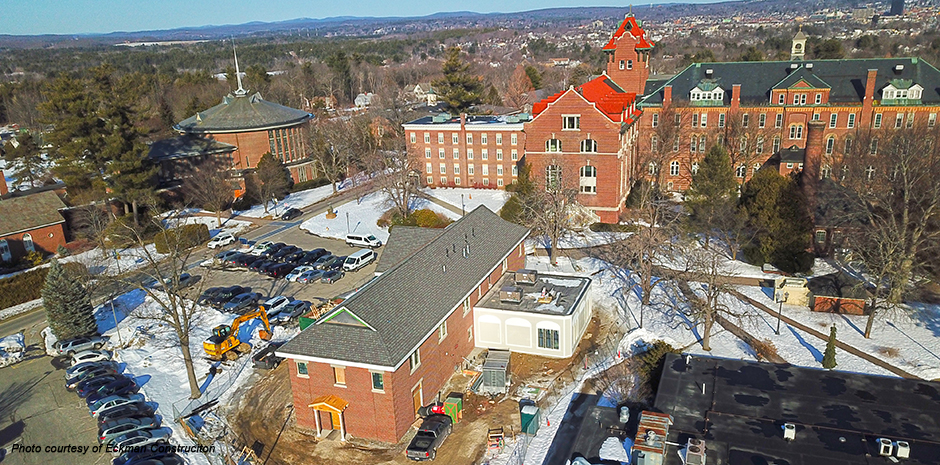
x=274, y=179
x=68, y=305
x=26, y=160
x=779, y=217
x=713, y=192
x=829, y=357
x=459, y=88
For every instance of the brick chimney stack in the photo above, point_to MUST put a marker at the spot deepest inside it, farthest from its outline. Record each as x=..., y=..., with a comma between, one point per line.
x=868, y=102
x=812, y=162
x=667, y=96
x=735, y=97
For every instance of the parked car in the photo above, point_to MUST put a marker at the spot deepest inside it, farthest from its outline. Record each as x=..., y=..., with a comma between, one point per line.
x=120, y=426
x=274, y=305
x=310, y=276
x=281, y=270
x=363, y=240
x=322, y=260
x=267, y=266
x=226, y=294
x=113, y=401
x=222, y=256
x=294, y=257
x=85, y=366
x=137, y=410
x=431, y=434
x=221, y=240
x=88, y=386
x=312, y=256
x=121, y=386
x=185, y=280
x=137, y=440
x=291, y=213
x=292, y=310
x=284, y=252
x=208, y=294
x=358, y=259
x=332, y=276
x=336, y=264
x=242, y=302
x=273, y=249
x=148, y=456
x=246, y=260
x=71, y=346
x=265, y=357
x=91, y=356
x=260, y=247
x=232, y=260
x=101, y=370
x=259, y=263
x=292, y=277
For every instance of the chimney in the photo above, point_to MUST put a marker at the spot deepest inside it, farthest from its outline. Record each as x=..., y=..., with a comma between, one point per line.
x=3, y=184
x=667, y=96
x=868, y=102
x=735, y=97
x=463, y=121
x=812, y=162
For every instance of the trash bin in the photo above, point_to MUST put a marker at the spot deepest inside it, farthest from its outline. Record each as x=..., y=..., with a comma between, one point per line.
x=530, y=416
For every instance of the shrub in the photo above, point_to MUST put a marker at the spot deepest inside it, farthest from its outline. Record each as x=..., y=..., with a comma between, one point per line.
x=649, y=365
x=799, y=262
x=62, y=251
x=607, y=227
x=423, y=218
x=311, y=184
x=33, y=258
x=27, y=286
x=186, y=236
x=122, y=232
x=765, y=349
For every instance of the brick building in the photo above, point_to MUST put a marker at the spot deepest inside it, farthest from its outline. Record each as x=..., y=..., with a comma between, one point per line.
x=31, y=223
x=366, y=367
x=467, y=151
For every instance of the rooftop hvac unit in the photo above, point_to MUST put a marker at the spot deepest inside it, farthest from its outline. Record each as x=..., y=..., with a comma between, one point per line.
x=510, y=294
x=898, y=68
x=885, y=447
x=695, y=452
x=709, y=72
x=903, y=449
x=789, y=431
x=809, y=66
x=526, y=276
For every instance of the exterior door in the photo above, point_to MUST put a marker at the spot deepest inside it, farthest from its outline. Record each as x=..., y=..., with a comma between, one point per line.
x=334, y=420
x=417, y=398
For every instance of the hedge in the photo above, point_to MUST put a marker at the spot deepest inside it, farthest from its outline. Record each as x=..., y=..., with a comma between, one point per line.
x=311, y=184
x=609, y=227
x=27, y=286
x=189, y=235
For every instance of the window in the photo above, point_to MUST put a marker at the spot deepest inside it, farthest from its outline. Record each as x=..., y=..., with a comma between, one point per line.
x=815, y=116
x=469, y=154
x=469, y=139
x=931, y=120
x=588, y=180
x=456, y=168
x=499, y=139
x=889, y=93
x=414, y=138
x=826, y=172
x=694, y=167
x=483, y=138
x=776, y=147
x=548, y=338
x=515, y=170
x=654, y=143
x=415, y=360
x=430, y=180
x=499, y=154
x=378, y=381
x=499, y=170
x=4, y=250
x=427, y=138
x=873, y=147
x=745, y=119
x=470, y=334
x=821, y=236
x=781, y=99
x=762, y=120
x=622, y=64
x=655, y=120
x=629, y=64
x=442, y=331
x=486, y=169
x=755, y=169
x=910, y=120
x=693, y=145
x=428, y=168
x=484, y=154
x=833, y=119
x=302, y=369
x=694, y=120
x=721, y=120
x=678, y=119
x=914, y=93
x=674, y=168
x=514, y=139
x=443, y=168
x=851, y=121
x=870, y=172
x=440, y=154
x=552, y=177
x=760, y=145
x=456, y=154
x=589, y=145
x=456, y=138
x=427, y=153
x=486, y=182
x=514, y=155
x=830, y=143
x=743, y=144
x=466, y=307
x=571, y=122
x=899, y=121
x=796, y=99
x=701, y=144
x=653, y=169
x=675, y=144
x=553, y=145
x=877, y=122
x=339, y=376
x=470, y=169
x=28, y=243
x=440, y=138
x=796, y=131
x=704, y=120
x=499, y=182
x=789, y=166
x=740, y=171
x=818, y=99
x=848, y=145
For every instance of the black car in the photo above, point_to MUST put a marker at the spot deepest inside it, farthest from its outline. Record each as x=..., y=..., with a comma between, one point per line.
x=134, y=410
x=336, y=264
x=226, y=294
x=208, y=294
x=119, y=387
x=312, y=256
x=285, y=251
x=258, y=264
x=291, y=213
x=322, y=260
x=295, y=257
x=281, y=270
x=247, y=260
x=267, y=266
x=273, y=249
x=431, y=434
x=88, y=386
x=242, y=303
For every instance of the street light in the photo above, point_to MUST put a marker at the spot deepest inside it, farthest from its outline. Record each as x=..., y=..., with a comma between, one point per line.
x=347, y=223
x=463, y=211
x=780, y=299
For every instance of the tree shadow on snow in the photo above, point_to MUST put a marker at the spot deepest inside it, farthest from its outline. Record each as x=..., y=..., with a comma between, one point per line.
x=812, y=350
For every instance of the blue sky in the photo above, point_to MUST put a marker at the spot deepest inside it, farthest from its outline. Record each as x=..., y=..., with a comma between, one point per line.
x=26, y=17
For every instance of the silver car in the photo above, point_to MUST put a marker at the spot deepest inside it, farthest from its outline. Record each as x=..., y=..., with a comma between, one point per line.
x=79, y=344
x=138, y=439
x=113, y=401
x=118, y=430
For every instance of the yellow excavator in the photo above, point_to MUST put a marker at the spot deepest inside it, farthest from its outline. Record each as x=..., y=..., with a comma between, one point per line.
x=224, y=343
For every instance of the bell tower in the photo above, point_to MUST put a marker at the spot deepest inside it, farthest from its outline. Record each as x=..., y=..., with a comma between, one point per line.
x=798, y=46
x=628, y=56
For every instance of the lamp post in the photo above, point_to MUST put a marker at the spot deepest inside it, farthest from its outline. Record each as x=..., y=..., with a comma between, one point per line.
x=347, y=223
x=463, y=210
x=780, y=300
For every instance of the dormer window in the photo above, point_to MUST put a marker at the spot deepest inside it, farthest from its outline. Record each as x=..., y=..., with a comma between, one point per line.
x=710, y=95
x=901, y=91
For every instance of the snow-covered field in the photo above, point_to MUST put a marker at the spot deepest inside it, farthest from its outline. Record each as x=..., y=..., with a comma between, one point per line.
x=294, y=200
x=472, y=198
x=234, y=227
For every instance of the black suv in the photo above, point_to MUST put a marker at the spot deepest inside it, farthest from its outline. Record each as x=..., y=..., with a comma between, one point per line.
x=281, y=270
x=226, y=294
x=273, y=249
x=291, y=213
x=284, y=252
x=246, y=260
x=258, y=264
x=312, y=256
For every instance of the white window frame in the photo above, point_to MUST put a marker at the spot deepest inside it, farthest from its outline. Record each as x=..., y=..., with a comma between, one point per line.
x=778, y=121
x=818, y=99
x=570, y=122
x=851, y=123
x=876, y=123
x=674, y=168
x=440, y=138
x=931, y=120
x=427, y=152
x=442, y=332
x=513, y=139
x=429, y=169
x=833, y=120
x=721, y=120
x=762, y=120
x=380, y=390
x=588, y=179
x=427, y=138
x=303, y=371
x=483, y=138
x=414, y=360
x=655, y=120
x=553, y=145
x=455, y=137
x=414, y=138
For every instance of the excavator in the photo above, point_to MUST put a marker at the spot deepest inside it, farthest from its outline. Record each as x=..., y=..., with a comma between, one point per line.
x=224, y=342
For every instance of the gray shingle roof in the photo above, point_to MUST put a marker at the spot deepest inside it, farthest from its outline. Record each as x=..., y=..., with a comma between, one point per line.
x=402, y=242
x=186, y=146
x=408, y=302
x=21, y=214
x=846, y=77
x=239, y=112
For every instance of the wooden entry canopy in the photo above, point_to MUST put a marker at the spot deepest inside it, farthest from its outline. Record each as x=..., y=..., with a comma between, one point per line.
x=334, y=406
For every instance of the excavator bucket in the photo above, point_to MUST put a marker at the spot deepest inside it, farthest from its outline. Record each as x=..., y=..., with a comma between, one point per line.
x=266, y=335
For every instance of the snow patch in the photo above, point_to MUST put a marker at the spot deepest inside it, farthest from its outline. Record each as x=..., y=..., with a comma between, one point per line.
x=293, y=200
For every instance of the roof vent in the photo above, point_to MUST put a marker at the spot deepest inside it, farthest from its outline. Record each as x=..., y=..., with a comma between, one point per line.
x=510, y=294
x=789, y=431
x=898, y=68
x=903, y=449
x=526, y=276
x=794, y=65
x=809, y=66
x=709, y=72
x=885, y=447
x=695, y=452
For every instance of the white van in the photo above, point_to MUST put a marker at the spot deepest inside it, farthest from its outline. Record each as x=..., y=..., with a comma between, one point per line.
x=359, y=240
x=359, y=259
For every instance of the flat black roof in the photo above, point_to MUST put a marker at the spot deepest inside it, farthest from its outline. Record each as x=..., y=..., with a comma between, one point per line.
x=838, y=415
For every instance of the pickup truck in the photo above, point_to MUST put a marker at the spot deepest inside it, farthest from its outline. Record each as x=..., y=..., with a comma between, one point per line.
x=432, y=433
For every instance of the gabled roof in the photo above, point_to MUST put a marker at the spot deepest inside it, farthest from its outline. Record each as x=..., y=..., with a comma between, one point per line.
x=186, y=146
x=402, y=242
x=609, y=97
x=631, y=25
x=846, y=78
x=240, y=112
x=802, y=74
x=406, y=304
x=22, y=214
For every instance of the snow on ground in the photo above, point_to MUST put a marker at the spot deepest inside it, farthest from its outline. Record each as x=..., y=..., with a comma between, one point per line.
x=578, y=239
x=472, y=198
x=234, y=227
x=363, y=215
x=21, y=308
x=294, y=200
x=115, y=261
x=11, y=349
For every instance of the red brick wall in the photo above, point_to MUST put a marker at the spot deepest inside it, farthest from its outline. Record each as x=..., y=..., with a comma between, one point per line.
x=252, y=145
x=418, y=154
x=41, y=241
x=837, y=305
x=631, y=80
x=387, y=416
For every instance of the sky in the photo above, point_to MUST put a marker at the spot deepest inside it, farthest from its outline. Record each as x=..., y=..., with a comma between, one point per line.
x=30, y=17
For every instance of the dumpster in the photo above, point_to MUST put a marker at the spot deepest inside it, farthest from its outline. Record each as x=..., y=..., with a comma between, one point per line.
x=453, y=406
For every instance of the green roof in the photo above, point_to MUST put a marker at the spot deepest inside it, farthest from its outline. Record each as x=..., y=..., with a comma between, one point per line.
x=240, y=112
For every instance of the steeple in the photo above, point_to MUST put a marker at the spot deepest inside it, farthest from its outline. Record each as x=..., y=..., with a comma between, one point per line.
x=240, y=92
x=798, y=47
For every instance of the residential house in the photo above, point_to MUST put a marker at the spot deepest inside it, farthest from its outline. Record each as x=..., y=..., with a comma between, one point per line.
x=31, y=223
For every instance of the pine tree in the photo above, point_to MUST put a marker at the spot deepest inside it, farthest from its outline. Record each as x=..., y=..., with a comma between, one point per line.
x=67, y=303
x=26, y=160
x=712, y=194
x=459, y=88
x=829, y=357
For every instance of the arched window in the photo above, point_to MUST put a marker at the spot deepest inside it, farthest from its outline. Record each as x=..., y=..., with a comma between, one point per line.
x=553, y=145
x=28, y=243
x=740, y=171
x=653, y=169
x=694, y=167
x=589, y=145
x=654, y=143
x=5, y=251
x=796, y=131
x=674, y=168
x=830, y=143
x=848, y=145
x=588, y=180
x=826, y=172
x=552, y=177
x=776, y=144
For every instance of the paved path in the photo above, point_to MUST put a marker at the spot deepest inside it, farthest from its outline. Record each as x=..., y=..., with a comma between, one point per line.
x=825, y=337
x=440, y=202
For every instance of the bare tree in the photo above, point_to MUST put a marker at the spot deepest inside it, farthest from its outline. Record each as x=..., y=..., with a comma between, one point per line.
x=333, y=144
x=704, y=268
x=548, y=207
x=208, y=186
